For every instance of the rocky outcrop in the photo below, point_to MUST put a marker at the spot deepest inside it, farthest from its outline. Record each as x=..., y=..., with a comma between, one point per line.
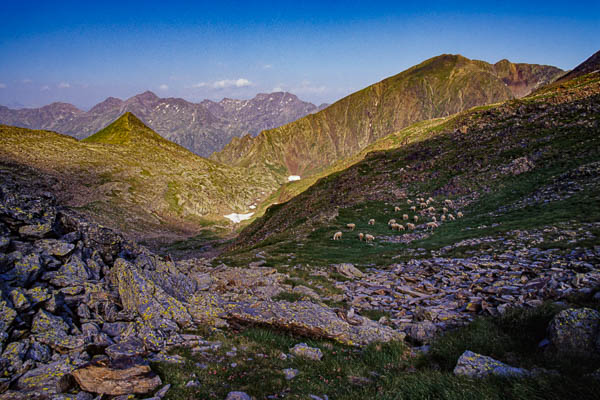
x=116, y=378
x=475, y=365
x=82, y=308
x=576, y=332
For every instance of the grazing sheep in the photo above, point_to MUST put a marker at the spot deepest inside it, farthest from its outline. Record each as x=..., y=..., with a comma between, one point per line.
x=371, y=221
x=351, y=226
x=397, y=227
x=396, y=209
x=444, y=210
x=459, y=214
x=448, y=203
x=391, y=221
x=337, y=235
x=443, y=218
x=416, y=218
x=410, y=226
x=361, y=236
x=413, y=209
x=409, y=202
x=423, y=205
x=451, y=217
x=369, y=238
x=431, y=209
x=405, y=216
x=434, y=219
x=432, y=225
x=431, y=200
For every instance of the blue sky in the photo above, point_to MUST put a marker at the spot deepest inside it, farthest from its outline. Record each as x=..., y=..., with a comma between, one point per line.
x=321, y=51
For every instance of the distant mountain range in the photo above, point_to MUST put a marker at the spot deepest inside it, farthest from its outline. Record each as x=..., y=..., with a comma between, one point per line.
x=438, y=87
x=200, y=127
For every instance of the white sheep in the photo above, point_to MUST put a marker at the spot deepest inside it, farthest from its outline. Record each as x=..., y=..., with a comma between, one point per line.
x=337, y=235
x=459, y=214
x=431, y=209
x=444, y=210
x=443, y=218
x=432, y=225
x=369, y=238
x=409, y=202
x=448, y=203
x=371, y=221
x=400, y=227
x=361, y=236
x=416, y=218
x=413, y=209
x=451, y=217
x=351, y=226
x=431, y=200
x=434, y=219
x=410, y=226
x=405, y=217
x=396, y=209
x=423, y=205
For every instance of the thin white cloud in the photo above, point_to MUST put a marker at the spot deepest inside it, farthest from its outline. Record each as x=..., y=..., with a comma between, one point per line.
x=306, y=87
x=278, y=88
x=2, y=85
x=224, y=84
x=64, y=85
x=26, y=81
x=164, y=87
x=267, y=66
x=44, y=88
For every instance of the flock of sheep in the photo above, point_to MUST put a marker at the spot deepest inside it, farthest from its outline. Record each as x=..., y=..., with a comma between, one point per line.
x=425, y=210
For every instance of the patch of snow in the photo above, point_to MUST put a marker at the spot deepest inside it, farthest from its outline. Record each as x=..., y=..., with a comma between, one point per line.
x=237, y=218
x=293, y=178
x=252, y=207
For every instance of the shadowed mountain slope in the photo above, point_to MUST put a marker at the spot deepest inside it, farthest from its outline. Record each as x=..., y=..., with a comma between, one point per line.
x=438, y=87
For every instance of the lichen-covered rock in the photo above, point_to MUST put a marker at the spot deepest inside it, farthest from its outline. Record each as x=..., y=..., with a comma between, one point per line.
x=55, y=247
x=150, y=301
x=133, y=347
x=421, y=332
x=36, y=231
x=18, y=299
x=7, y=316
x=116, y=378
x=308, y=318
x=305, y=351
x=52, y=331
x=38, y=294
x=39, y=352
x=14, y=354
x=476, y=365
x=575, y=331
x=74, y=272
x=306, y=291
x=27, y=269
x=349, y=270
x=49, y=378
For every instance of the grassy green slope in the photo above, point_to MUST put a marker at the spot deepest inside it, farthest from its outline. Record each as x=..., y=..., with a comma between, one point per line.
x=438, y=87
x=465, y=158
x=128, y=177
